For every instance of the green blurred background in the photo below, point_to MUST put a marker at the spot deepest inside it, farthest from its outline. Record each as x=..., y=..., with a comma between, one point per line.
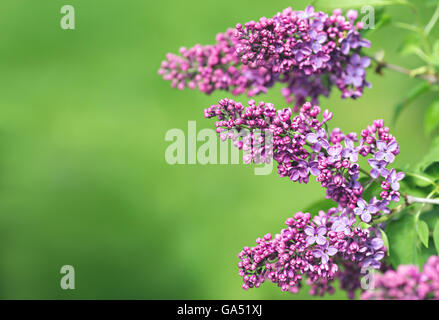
x=83, y=178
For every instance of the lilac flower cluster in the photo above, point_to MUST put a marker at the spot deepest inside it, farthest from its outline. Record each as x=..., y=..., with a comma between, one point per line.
x=304, y=43
x=308, y=51
x=215, y=67
x=312, y=249
x=407, y=283
x=334, y=244
x=303, y=147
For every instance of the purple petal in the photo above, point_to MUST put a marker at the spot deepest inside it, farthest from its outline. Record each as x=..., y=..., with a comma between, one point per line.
x=380, y=155
x=374, y=173
x=349, y=143
x=321, y=240
x=366, y=217
x=390, y=157
x=392, y=146
x=372, y=209
x=332, y=251
x=379, y=255
x=334, y=150
x=310, y=240
x=324, y=143
x=385, y=173
x=400, y=175
x=355, y=59
x=365, y=62
x=381, y=145
x=321, y=231
x=358, y=211
x=395, y=186
x=362, y=204
x=309, y=231
x=318, y=253
x=354, y=157
x=316, y=147
x=338, y=226
x=314, y=171
x=377, y=243
x=311, y=137
x=373, y=163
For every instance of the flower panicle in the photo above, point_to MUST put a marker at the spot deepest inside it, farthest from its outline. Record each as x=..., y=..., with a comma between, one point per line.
x=307, y=51
x=313, y=249
x=303, y=147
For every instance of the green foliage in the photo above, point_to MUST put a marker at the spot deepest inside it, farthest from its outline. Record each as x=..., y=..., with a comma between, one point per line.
x=424, y=253
x=324, y=204
x=431, y=217
x=434, y=58
x=386, y=241
x=411, y=45
x=372, y=187
x=416, y=184
x=414, y=93
x=409, y=236
x=430, y=163
x=431, y=118
x=402, y=239
x=364, y=225
x=436, y=236
x=422, y=230
x=432, y=2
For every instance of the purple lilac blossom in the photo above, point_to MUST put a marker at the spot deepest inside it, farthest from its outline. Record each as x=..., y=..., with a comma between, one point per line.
x=308, y=51
x=393, y=179
x=378, y=168
x=299, y=145
x=407, y=283
x=289, y=257
x=315, y=235
x=318, y=140
x=365, y=211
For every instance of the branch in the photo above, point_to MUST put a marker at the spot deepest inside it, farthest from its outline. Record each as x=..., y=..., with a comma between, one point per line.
x=410, y=200
x=392, y=213
x=431, y=78
x=433, y=21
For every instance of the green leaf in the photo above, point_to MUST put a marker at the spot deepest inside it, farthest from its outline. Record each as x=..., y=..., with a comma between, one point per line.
x=411, y=96
x=324, y=205
x=430, y=162
x=386, y=241
x=411, y=45
x=418, y=179
x=425, y=253
x=402, y=239
x=364, y=225
x=434, y=58
x=373, y=187
x=431, y=217
x=436, y=236
x=431, y=118
x=422, y=230
x=430, y=3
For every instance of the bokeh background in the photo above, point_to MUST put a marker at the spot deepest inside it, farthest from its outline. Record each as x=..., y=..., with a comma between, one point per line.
x=83, y=178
